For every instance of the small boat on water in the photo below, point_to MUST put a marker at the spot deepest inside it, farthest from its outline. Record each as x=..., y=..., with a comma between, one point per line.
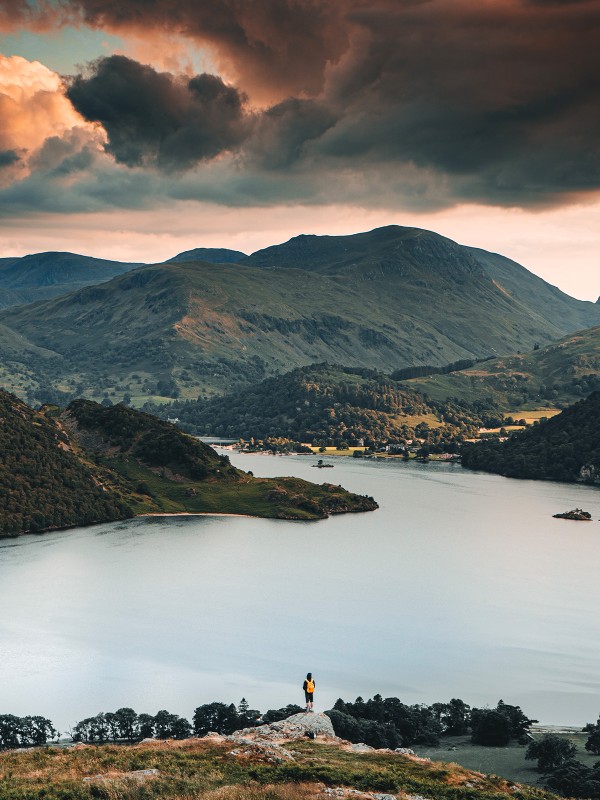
x=321, y=465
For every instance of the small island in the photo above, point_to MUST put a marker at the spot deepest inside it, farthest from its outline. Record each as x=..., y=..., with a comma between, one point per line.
x=577, y=514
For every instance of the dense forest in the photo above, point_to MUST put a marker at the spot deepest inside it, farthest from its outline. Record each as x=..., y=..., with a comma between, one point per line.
x=323, y=404
x=43, y=484
x=564, y=448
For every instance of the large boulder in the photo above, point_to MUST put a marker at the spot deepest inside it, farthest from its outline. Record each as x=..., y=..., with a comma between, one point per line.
x=298, y=726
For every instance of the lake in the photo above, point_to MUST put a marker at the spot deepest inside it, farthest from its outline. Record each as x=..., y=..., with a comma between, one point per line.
x=460, y=585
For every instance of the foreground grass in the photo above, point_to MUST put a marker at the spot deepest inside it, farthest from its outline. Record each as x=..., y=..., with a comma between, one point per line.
x=205, y=770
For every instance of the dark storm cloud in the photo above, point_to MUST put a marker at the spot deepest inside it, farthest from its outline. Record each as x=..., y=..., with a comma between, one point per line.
x=154, y=118
x=282, y=44
x=8, y=158
x=497, y=101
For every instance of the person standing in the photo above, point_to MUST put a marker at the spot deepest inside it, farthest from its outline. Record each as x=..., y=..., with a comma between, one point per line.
x=309, y=688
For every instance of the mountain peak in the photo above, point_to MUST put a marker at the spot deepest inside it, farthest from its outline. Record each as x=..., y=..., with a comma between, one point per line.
x=214, y=255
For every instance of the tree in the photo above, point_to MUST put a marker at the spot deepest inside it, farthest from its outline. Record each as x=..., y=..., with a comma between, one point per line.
x=171, y=726
x=520, y=723
x=574, y=779
x=277, y=714
x=247, y=717
x=215, y=717
x=146, y=726
x=490, y=727
x=453, y=716
x=551, y=752
x=593, y=741
x=127, y=724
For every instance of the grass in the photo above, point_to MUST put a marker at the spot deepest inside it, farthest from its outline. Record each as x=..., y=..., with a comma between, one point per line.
x=205, y=770
x=531, y=416
x=279, y=498
x=506, y=761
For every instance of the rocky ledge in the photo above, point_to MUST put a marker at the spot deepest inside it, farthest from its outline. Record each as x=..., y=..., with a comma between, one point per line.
x=265, y=742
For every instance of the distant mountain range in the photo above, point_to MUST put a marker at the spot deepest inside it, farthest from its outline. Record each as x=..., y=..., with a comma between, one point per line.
x=41, y=276
x=44, y=275
x=385, y=299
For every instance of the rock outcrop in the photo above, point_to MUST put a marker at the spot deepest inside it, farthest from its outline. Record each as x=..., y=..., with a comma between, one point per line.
x=298, y=726
x=576, y=513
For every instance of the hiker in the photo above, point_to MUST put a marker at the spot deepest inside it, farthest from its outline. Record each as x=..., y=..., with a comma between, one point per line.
x=309, y=688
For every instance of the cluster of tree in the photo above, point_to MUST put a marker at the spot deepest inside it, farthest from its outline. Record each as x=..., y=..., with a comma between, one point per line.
x=565, y=447
x=25, y=731
x=323, y=404
x=43, y=484
x=390, y=723
x=566, y=775
x=425, y=370
x=125, y=725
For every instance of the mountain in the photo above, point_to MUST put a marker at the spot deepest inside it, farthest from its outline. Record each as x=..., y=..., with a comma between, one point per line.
x=331, y=404
x=411, y=252
x=557, y=374
x=386, y=299
x=92, y=463
x=44, y=275
x=214, y=255
x=564, y=448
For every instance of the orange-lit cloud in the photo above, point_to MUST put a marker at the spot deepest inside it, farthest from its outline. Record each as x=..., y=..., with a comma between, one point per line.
x=36, y=116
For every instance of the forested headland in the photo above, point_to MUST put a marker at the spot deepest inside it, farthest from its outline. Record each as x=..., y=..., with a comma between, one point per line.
x=91, y=463
x=564, y=448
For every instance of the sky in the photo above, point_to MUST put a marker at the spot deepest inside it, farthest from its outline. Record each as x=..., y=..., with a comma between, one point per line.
x=138, y=129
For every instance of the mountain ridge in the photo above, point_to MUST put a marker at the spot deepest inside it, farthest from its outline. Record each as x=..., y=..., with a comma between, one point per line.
x=386, y=299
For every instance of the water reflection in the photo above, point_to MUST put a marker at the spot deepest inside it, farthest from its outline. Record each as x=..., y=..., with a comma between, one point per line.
x=461, y=585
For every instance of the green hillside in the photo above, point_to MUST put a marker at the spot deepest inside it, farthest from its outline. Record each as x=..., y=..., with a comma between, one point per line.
x=559, y=373
x=564, y=448
x=91, y=463
x=324, y=403
x=213, y=769
x=388, y=299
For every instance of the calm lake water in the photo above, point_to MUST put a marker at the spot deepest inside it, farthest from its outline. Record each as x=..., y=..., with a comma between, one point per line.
x=461, y=585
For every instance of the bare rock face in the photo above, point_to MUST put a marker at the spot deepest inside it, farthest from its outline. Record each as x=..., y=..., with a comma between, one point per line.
x=298, y=726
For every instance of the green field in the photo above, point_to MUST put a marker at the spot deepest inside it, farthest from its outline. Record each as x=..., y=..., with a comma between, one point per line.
x=508, y=762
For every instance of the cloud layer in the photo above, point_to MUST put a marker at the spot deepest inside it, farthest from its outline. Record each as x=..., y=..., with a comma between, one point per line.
x=402, y=103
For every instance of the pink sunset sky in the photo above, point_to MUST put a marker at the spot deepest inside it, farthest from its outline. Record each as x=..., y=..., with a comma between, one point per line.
x=135, y=131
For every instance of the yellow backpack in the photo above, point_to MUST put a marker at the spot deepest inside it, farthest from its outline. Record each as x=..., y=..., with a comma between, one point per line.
x=310, y=686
